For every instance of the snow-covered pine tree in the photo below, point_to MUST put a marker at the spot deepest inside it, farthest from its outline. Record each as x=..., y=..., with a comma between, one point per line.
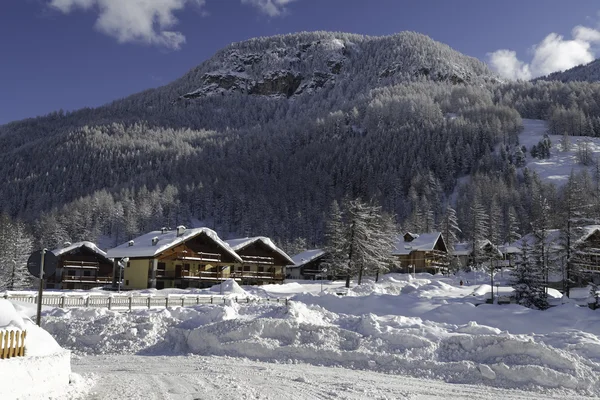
x=528, y=282
x=335, y=242
x=573, y=218
x=478, y=221
x=494, y=223
x=541, y=245
x=366, y=245
x=15, y=248
x=512, y=226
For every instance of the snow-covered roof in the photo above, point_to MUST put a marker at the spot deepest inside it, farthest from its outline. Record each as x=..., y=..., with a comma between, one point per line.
x=89, y=245
x=553, y=240
x=307, y=256
x=466, y=248
x=421, y=242
x=239, y=244
x=588, y=231
x=142, y=246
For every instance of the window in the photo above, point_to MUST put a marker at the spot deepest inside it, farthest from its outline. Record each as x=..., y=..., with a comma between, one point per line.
x=127, y=282
x=71, y=272
x=261, y=269
x=161, y=265
x=87, y=273
x=246, y=268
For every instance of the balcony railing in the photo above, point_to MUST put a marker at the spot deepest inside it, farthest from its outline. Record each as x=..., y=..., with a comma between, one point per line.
x=87, y=279
x=193, y=256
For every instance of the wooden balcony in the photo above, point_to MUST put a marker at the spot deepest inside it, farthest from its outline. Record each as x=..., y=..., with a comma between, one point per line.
x=189, y=255
x=86, y=279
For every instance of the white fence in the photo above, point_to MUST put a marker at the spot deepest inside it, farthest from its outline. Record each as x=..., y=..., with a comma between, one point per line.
x=135, y=301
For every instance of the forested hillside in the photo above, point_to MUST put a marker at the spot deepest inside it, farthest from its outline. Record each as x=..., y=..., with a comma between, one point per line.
x=261, y=138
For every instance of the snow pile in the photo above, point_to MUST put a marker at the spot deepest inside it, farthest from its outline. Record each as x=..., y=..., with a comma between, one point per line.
x=44, y=371
x=460, y=353
x=229, y=287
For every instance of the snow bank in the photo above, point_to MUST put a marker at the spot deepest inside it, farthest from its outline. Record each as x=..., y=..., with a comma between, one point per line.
x=460, y=353
x=37, y=377
x=45, y=369
x=229, y=287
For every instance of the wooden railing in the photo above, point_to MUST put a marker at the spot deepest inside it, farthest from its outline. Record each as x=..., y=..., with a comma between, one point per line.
x=124, y=302
x=12, y=344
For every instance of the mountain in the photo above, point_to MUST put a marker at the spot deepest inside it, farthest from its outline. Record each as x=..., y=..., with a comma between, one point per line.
x=263, y=136
x=582, y=73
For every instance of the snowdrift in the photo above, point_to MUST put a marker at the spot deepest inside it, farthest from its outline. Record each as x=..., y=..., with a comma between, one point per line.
x=409, y=345
x=46, y=368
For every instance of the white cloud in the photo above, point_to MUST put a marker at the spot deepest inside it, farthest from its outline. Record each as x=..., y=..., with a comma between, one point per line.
x=272, y=8
x=134, y=21
x=552, y=54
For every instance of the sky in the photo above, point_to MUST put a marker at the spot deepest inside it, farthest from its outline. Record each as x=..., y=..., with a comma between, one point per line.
x=69, y=54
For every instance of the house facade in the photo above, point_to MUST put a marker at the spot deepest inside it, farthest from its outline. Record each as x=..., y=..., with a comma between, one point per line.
x=262, y=261
x=81, y=265
x=308, y=265
x=181, y=258
x=425, y=252
x=486, y=251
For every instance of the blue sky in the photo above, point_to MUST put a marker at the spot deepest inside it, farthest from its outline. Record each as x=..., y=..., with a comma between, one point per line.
x=74, y=53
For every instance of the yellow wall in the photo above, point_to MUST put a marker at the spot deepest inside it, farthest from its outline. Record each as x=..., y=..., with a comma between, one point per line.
x=136, y=274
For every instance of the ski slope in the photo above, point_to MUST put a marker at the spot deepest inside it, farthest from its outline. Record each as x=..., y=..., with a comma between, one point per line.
x=557, y=168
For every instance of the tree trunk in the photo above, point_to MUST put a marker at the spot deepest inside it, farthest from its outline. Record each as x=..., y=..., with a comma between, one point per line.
x=377, y=276
x=360, y=273
x=348, y=281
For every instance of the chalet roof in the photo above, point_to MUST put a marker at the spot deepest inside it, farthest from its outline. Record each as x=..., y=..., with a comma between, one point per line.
x=88, y=245
x=420, y=242
x=466, y=248
x=588, y=231
x=307, y=256
x=553, y=241
x=142, y=246
x=239, y=244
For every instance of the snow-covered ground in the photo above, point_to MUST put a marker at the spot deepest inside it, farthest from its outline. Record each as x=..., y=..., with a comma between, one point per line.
x=557, y=168
x=427, y=328
x=224, y=378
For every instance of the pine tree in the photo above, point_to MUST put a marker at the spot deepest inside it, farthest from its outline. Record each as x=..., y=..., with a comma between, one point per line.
x=450, y=230
x=335, y=243
x=527, y=281
x=478, y=221
x=512, y=227
x=15, y=248
x=573, y=220
x=541, y=246
x=368, y=240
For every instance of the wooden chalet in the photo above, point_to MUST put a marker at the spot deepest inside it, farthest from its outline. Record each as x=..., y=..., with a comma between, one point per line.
x=181, y=258
x=308, y=265
x=263, y=262
x=587, y=250
x=463, y=254
x=81, y=265
x=425, y=252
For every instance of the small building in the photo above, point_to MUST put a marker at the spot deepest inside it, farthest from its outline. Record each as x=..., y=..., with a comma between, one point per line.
x=463, y=253
x=81, y=265
x=180, y=258
x=263, y=262
x=426, y=252
x=308, y=265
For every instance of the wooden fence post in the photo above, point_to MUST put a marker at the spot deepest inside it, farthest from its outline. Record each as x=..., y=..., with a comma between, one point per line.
x=130, y=301
x=148, y=302
x=87, y=302
x=197, y=300
x=167, y=302
x=182, y=301
x=211, y=300
x=109, y=302
x=62, y=301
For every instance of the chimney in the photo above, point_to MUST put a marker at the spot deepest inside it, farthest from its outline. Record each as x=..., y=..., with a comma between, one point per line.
x=163, y=230
x=66, y=244
x=154, y=240
x=180, y=230
x=131, y=243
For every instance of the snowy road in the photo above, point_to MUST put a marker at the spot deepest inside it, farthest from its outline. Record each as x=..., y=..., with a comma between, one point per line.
x=195, y=377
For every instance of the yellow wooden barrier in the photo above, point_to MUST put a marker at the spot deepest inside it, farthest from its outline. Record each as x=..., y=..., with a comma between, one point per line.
x=12, y=344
